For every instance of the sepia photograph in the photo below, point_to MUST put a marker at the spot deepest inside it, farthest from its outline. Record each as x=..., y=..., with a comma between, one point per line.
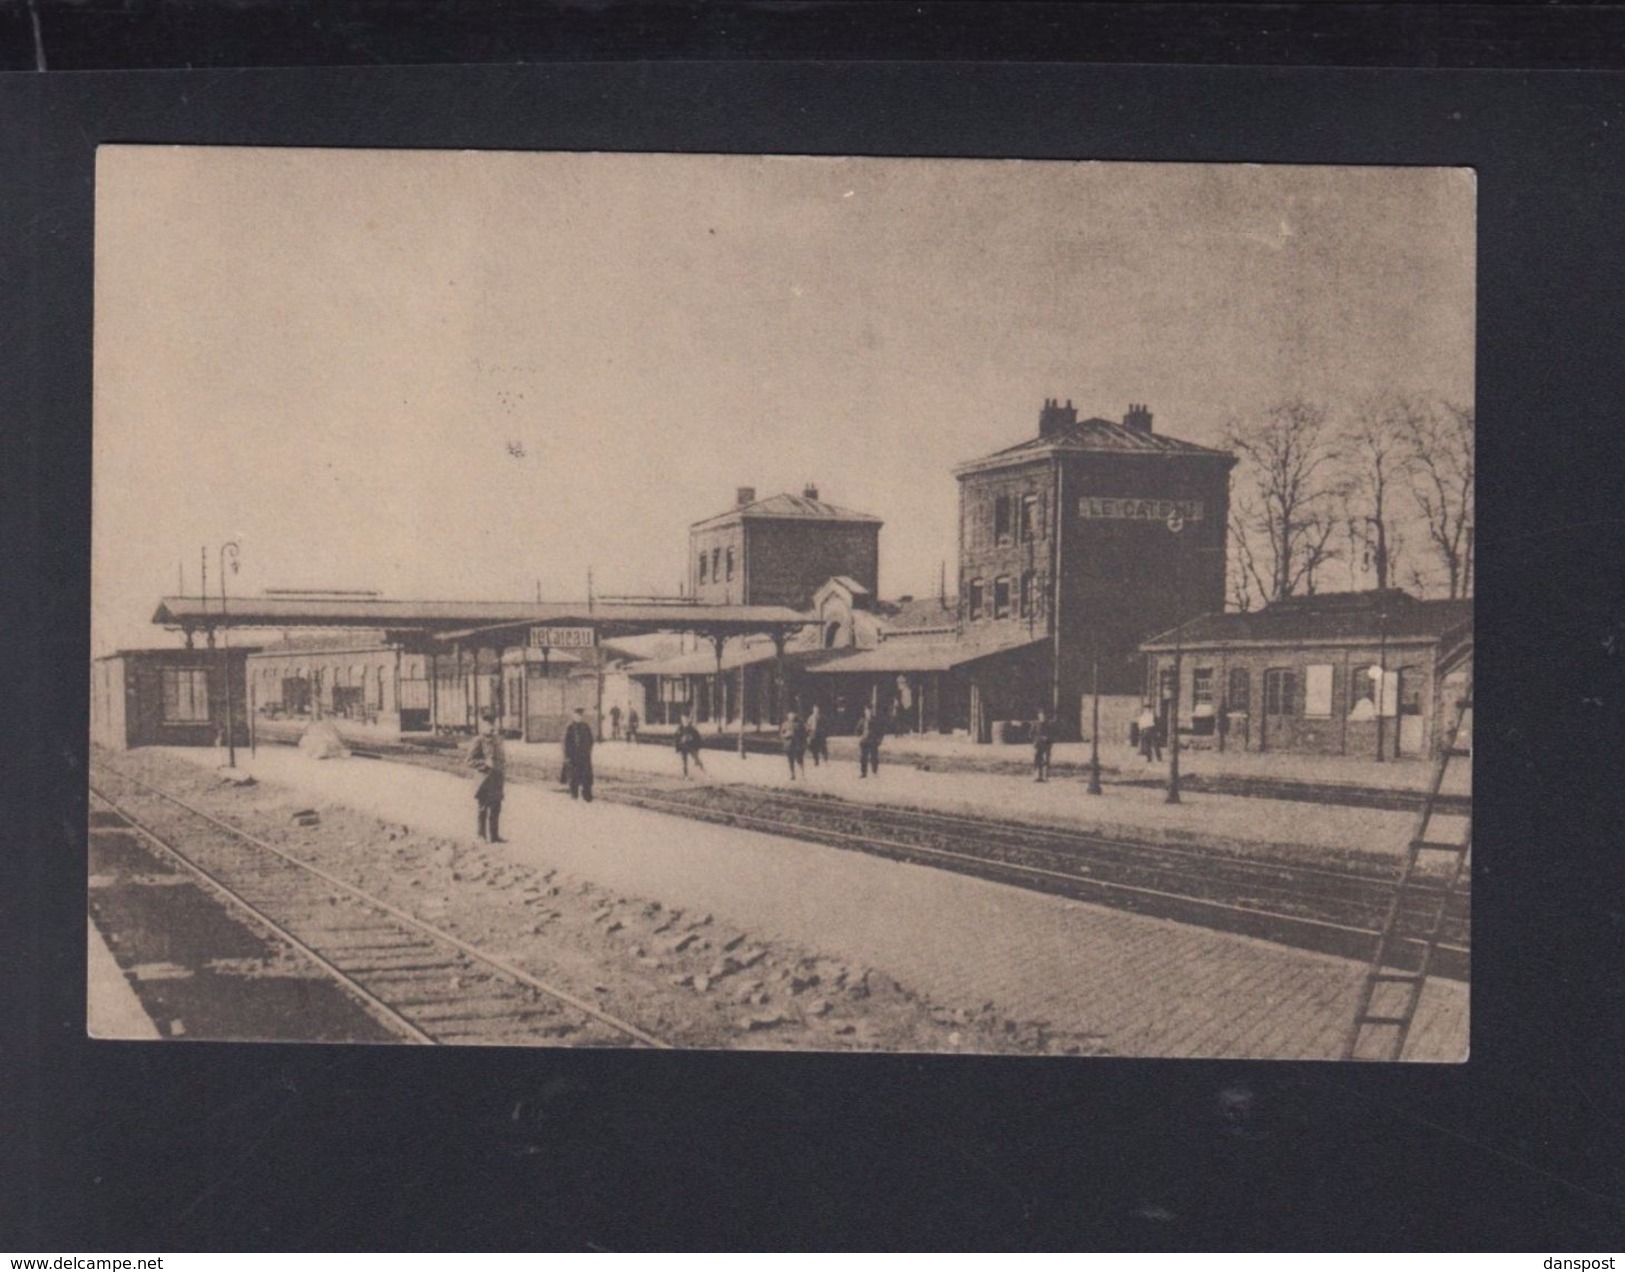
x=782, y=602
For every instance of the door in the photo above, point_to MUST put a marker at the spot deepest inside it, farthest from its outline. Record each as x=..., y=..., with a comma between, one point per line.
x=1411, y=731
x=544, y=706
x=1280, y=696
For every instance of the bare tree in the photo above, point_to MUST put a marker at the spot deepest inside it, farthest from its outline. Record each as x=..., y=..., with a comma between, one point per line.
x=1441, y=442
x=1241, y=572
x=1289, y=492
x=1377, y=456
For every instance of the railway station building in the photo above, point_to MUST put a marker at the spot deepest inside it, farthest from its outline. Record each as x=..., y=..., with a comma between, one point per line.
x=1303, y=674
x=1075, y=545
x=780, y=550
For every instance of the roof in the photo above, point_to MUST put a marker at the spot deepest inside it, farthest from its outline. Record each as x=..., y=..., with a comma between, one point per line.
x=788, y=507
x=921, y=654
x=1329, y=618
x=328, y=642
x=178, y=651
x=1094, y=436
x=703, y=662
x=917, y=613
x=466, y=616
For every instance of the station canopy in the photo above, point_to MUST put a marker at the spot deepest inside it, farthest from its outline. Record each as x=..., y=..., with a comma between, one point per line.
x=475, y=622
x=921, y=655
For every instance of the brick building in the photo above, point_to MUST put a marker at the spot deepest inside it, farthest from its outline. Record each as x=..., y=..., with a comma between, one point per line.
x=1298, y=675
x=780, y=550
x=1090, y=536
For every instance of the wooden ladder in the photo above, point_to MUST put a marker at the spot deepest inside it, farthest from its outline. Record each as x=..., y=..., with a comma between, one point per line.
x=1382, y=1021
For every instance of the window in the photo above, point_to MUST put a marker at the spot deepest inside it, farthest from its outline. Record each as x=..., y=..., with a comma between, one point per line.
x=186, y=695
x=1410, y=691
x=973, y=599
x=1317, y=689
x=1027, y=594
x=1362, y=686
x=716, y=564
x=1280, y=688
x=1202, y=687
x=730, y=561
x=1001, y=519
x=1165, y=685
x=1029, y=518
x=1240, y=689
x=1001, y=596
x=702, y=567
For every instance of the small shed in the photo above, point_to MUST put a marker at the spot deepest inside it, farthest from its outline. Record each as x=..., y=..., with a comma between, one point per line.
x=168, y=697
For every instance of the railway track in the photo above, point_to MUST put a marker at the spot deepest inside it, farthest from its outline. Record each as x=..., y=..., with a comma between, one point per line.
x=424, y=983
x=1329, y=910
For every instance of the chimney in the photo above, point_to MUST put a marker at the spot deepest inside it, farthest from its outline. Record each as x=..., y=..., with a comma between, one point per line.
x=744, y=495
x=1138, y=418
x=809, y=491
x=1055, y=418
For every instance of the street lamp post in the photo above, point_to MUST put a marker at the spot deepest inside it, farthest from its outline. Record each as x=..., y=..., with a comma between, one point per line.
x=1094, y=724
x=227, y=549
x=1382, y=674
x=1176, y=523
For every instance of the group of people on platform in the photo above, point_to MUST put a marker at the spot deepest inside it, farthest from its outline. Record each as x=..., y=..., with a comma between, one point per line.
x=810, y=736
x=802, y=736
x=488, y=756
x=615, y=724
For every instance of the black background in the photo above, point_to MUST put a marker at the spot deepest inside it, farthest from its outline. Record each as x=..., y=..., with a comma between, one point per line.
x=151, y=1148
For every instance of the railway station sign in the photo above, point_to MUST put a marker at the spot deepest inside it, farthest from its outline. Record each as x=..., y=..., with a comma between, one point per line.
x=563, y=637
x=1132, y=508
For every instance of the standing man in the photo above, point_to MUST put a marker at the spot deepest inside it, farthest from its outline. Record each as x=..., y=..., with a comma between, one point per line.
x=1043, y=739
x=688, y=745
x=632, y=725
x=615, y=722
x=578, y=756
x=1150, y=743
x=488, y=758
x=817, y=736
x=870, y=731
x=794, y=731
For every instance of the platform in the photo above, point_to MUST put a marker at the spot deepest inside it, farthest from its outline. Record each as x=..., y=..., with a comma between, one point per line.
x=1142, y=986
x=1123, y=811
x=112, y=1009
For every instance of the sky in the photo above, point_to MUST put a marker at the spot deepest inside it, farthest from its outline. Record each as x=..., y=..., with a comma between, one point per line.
x=470, y=375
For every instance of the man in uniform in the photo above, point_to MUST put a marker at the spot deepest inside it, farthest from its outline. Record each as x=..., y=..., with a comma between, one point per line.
x=578, y=756
x=488, y=758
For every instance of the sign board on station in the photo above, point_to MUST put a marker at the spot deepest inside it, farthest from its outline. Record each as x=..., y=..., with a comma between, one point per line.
x=563, y=637
x=1133, y=508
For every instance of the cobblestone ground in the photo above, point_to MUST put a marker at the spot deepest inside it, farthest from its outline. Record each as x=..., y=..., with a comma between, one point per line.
x=1142, y=986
